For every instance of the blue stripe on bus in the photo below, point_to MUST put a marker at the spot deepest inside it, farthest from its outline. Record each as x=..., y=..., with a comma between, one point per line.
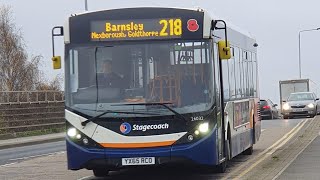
x=201, y=152
x=78, y=156
x=139, y=152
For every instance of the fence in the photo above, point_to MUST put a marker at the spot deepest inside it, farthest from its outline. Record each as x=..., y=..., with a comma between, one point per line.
x=30, y=112
x=21, y=97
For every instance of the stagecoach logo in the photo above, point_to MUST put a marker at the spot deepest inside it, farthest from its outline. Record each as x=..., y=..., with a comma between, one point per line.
x=125, y=128
x=193, y=25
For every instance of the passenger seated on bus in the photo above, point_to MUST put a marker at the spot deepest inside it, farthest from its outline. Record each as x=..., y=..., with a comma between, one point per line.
x=108, y=78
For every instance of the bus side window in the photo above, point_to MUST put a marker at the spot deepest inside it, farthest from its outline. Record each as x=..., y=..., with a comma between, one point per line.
x=232, y=71
x=74, y=72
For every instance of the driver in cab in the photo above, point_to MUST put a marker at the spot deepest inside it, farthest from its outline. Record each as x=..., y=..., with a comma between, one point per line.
x=108, y=78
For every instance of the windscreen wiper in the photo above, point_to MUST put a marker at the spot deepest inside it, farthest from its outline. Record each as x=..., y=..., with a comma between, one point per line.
x=84, y=123
x=157, y=104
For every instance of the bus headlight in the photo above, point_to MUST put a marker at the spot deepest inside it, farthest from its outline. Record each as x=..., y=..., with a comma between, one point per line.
x=198, y=131
x=204, y=127
x=286, y=106
x=311, y=105
x=76, y=136
x=72, y=132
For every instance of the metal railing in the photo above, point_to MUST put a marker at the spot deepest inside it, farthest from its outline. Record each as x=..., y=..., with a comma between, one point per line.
x=21, y=97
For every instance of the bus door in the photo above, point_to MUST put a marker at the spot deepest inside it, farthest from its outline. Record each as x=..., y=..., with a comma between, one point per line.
x=219, y=112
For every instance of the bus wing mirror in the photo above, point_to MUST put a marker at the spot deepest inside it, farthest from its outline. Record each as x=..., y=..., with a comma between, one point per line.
x=224, y=50
x=56, y=62
x=56, y=31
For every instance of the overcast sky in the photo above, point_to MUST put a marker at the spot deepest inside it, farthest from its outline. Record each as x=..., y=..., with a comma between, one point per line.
x=274, y=23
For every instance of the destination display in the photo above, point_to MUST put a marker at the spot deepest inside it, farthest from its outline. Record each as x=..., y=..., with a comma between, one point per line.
x=136, y=24
x=166, y=28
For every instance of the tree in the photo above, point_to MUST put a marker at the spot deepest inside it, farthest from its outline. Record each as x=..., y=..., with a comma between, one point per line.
x=18, y=72
x=55, y=84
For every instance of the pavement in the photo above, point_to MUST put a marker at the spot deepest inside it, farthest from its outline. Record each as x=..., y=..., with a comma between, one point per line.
x=42, y=168
x=295, y=158
x=306, y=165
x=32, y=140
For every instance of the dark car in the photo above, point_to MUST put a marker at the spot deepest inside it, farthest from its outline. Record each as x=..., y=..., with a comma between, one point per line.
x=268, y=110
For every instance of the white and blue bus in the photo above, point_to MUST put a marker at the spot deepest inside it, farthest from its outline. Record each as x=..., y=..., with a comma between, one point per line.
x=154, y=86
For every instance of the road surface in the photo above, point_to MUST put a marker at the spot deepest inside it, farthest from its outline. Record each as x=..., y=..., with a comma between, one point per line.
x=18, y=154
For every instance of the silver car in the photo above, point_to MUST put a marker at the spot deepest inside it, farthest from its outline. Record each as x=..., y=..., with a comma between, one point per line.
x=301, y=104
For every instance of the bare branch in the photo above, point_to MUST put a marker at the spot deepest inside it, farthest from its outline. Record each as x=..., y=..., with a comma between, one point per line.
x=17, y=71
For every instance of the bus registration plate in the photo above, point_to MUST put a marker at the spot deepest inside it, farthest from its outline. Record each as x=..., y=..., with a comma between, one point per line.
x=138, y=161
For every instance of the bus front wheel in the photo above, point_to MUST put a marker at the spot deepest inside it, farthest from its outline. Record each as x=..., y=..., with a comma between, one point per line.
x=100, y=172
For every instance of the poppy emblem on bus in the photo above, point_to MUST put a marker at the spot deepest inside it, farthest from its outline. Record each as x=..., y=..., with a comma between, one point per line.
x=193, y=25
x=125, y=128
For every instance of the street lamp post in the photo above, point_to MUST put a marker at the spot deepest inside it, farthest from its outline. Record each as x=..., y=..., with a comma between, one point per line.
x=300, y=47
x=86, y=5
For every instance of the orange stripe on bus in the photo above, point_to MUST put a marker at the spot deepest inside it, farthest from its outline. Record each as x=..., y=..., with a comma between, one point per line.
x=251, y=118
x=137, y=145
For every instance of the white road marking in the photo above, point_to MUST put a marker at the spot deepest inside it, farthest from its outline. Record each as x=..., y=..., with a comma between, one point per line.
x=263, y=130
x=5, y=165
x=86, y=177
x=40, y=155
